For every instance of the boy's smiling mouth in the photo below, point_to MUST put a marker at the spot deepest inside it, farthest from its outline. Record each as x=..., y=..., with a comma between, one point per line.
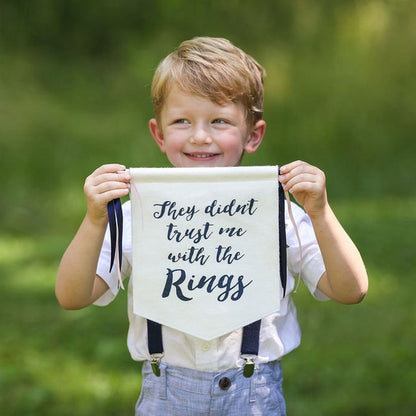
x=201, y=155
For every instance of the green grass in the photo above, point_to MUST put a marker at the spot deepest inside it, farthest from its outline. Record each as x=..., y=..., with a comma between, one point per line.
x=359, y=360
x=55, y=362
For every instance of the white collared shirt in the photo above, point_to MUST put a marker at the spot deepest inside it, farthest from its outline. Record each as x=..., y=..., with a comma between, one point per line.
x=279, y=334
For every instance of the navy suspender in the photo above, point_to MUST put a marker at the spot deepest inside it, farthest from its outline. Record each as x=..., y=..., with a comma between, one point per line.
x=250, y=346
x=155, y=344
x=154, y=333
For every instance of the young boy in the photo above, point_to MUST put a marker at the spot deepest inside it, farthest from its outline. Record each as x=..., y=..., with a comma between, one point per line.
x=208, y=104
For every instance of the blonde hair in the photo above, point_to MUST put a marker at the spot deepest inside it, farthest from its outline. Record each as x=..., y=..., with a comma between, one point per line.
x=212, y=68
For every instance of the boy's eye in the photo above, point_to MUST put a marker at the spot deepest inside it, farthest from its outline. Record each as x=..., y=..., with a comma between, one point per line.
x=181, y=121
x=219, y=121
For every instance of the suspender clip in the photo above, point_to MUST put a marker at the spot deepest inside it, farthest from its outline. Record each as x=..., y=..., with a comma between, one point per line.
x=249, y=365
x=155, y=363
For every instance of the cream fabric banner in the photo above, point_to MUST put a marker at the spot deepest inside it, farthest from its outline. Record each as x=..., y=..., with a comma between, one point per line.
x=205, y=247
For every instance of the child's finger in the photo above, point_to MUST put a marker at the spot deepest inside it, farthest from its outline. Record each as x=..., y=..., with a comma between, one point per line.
x=290, y=166
x=109, y=168
x=110, y=186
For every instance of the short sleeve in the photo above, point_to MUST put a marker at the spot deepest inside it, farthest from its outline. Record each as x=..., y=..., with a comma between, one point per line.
x=312, y=266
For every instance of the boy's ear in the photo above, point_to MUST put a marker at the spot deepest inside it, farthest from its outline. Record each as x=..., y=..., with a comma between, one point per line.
x=256, y=137
x=157, y=134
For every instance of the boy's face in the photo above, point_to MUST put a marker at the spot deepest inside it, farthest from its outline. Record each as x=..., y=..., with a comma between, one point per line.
x=195, y=132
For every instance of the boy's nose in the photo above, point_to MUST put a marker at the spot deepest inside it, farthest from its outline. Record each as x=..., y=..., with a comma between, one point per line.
x=200, y=136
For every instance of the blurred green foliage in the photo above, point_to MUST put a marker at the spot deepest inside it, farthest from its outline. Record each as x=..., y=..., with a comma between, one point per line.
x=75, y=76
x=74, y=94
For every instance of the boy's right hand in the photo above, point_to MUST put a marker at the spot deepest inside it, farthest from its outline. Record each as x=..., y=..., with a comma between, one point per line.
x=106, y=183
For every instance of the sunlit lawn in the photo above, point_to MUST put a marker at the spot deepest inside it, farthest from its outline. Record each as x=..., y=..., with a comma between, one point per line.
x=354, y=360
x=52, y=361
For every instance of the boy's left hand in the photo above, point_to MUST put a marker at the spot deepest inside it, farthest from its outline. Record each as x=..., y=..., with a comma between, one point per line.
x=307, y=184
x=345, y=279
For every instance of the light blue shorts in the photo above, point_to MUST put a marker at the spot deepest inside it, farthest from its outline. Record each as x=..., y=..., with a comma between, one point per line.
x=185, y=392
